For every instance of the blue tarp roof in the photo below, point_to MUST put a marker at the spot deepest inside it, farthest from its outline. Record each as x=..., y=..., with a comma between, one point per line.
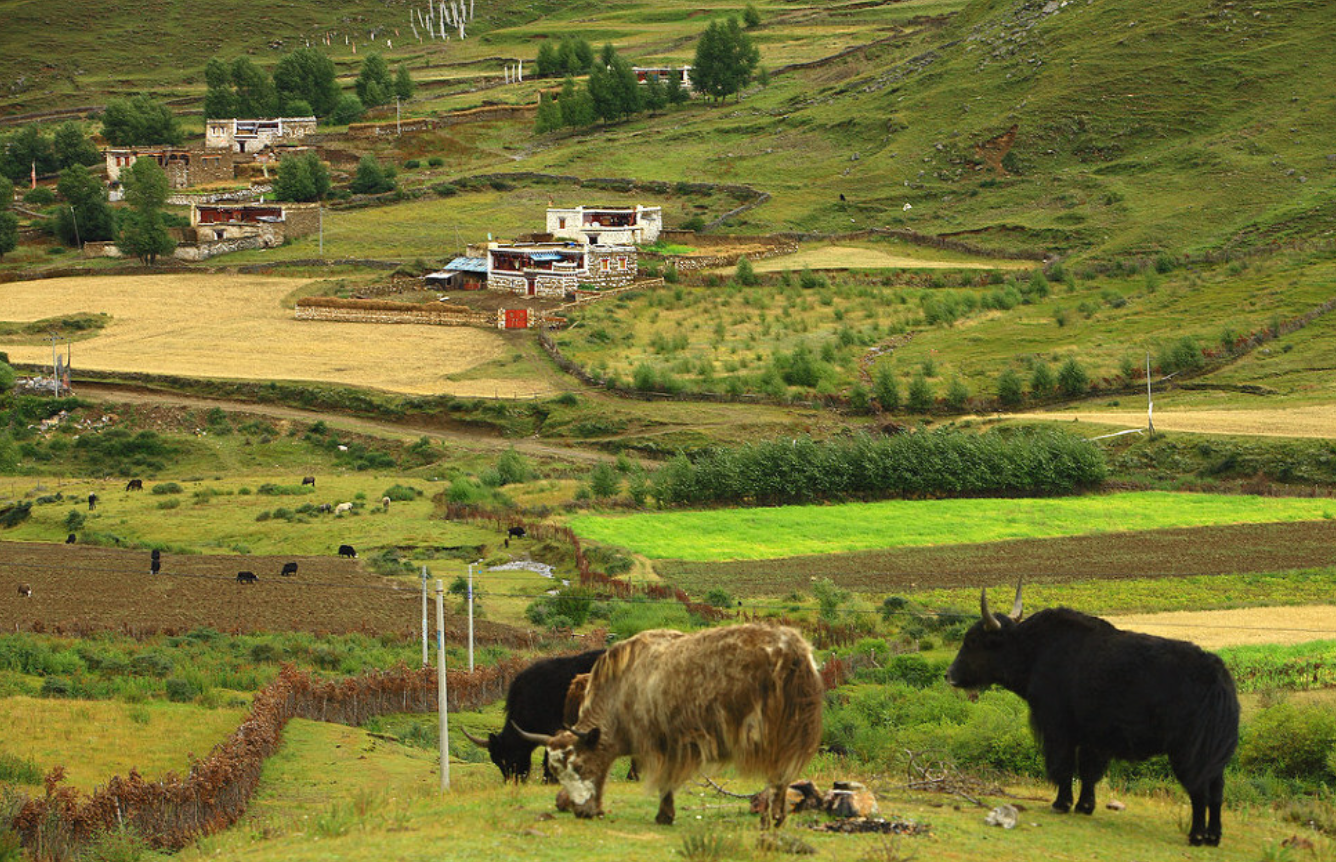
x=545, y=255
x=467, y=264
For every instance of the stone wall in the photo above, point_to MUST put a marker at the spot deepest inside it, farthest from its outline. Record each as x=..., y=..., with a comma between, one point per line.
x=198, y=251
x=512, y=282
x=425, y=315
x=621, y=269
x=237, y=196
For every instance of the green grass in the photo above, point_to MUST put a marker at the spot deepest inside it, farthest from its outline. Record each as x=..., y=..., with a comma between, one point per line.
x=758, y=534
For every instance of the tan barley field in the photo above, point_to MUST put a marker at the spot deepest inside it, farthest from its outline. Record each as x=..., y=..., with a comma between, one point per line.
x=1237, y=626
x=861, y=257
x=234, y=327
x=1314, y=420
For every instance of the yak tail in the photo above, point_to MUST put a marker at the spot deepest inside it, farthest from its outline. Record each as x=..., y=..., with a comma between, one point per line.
x=1214, y=735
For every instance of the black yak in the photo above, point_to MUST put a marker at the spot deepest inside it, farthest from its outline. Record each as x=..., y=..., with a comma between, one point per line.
x=135, y=485
x=247, y=578
x=1097, y=693
x=348, y=551
x=536, y=699
x=289, y=569
x=749, y=694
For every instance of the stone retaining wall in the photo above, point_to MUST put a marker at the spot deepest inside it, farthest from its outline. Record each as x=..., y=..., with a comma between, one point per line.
x=427, y=315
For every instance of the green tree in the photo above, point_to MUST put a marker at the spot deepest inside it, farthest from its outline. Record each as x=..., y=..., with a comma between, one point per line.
x=513, y=468
x=546, y=63
x=403, y=83
x=139, y=121
x=745, y=274
x=725, y=60
x=298, y=108
x=374, y=85
x=577, y=107
x=957, y=394
x=307, y=75
x=549, y=115
x=1041, y=380
x=1072, y=378
x=751, y=17
x=256, y=95
x=677, y=94
x=143, y=233
x=24, y=149
x=886, y=389
x=1009, y=390
x=582, y=56
x=567, y=64
x=88, y=217
x=655, y=94
x=6, y=193
x=302, y=178
x=625, y=87
x=604, y=481
x=72, y=147
x=920, y=397
x=348, y=110
x=220, y=103
x=371, y=178
x=9, y=231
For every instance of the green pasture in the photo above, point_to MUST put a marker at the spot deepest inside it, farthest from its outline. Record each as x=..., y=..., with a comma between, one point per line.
x=741, y=339
x=94, y=740
x=786, y=531
x=334, y=792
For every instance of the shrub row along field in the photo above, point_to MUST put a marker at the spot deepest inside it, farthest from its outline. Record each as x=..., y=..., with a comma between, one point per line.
x=79, y=589
x=789, y=531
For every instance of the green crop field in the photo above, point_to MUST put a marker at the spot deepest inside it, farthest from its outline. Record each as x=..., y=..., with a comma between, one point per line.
x=786, y=531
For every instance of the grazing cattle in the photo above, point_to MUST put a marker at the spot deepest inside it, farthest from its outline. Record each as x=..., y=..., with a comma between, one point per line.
x=289, y=569
x=247, y=578
x=71, y=539
x=1097, y=693
x=750, y=695
x=516, y=533
x=324, y=508
x=135, y=485
x=308, y=480
x=25, y=591
x=343, y=507
x=92, y=502
x=385, y=503
x=537, y=698
x=347, y=551
x=155, y=562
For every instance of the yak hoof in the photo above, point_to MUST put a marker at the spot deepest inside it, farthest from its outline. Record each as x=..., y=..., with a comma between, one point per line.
x=663, y=819
x=1084, y=807
x=1195, y=839
x=1061, y=807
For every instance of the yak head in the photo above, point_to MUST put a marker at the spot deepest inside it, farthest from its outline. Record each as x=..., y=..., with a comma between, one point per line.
x=580, y=765
x=980, y=661
x=508, y=751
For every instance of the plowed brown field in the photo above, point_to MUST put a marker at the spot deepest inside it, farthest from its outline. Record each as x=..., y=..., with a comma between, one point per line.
x=1151, y=554
x=79, y=589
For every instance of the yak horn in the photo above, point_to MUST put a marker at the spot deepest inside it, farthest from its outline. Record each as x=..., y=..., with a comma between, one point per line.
x=989, y=621
x=481, y=743
x=539, y=738
x=1016, y=610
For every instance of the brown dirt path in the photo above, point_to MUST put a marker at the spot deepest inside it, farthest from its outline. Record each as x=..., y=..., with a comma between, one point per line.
x=1238, y=626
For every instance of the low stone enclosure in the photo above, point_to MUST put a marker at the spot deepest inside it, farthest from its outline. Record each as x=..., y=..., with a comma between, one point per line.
x=384, y=311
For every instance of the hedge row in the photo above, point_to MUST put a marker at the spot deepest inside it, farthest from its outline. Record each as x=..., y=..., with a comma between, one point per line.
x=926, y=464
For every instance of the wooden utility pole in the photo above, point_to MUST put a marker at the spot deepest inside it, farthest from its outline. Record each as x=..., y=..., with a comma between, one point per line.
x=441, y=700
x=1150, y=405
x=425, y=660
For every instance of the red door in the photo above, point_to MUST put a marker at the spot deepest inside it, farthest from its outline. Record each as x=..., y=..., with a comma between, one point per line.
x=517, y=318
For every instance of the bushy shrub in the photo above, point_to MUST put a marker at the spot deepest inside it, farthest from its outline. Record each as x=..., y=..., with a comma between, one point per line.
x=166, y=488
x=402, y=493
x=632, y=618
x=180, y=690
x=1291, y=741
x=435, y=162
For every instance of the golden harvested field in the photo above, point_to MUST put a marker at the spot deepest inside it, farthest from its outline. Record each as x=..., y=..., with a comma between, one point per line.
x=863, y=257
x=1238, y=626
x=1316, y=420
x=234, y=327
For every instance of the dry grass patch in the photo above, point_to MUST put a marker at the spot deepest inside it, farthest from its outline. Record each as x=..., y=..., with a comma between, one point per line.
x=1237, y=626
x=1315, y=420
x=235, y=327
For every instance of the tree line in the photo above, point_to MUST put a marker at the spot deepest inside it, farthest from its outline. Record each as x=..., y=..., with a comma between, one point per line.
x=924, y=464
x=303, y=84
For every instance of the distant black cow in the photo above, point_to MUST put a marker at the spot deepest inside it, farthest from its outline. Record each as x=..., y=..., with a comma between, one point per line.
x=308, y=480
x=155, y=562
x=135, y=485
x=516, y=533
x=71, y=539
x=247, y=578
x=92, y=502
x=1097, y=693
x=25, y=591
x=289, y=569
x=537, y=697
x=347, y=551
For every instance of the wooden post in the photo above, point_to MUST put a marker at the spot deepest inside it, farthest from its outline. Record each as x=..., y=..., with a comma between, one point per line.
x=442, y=701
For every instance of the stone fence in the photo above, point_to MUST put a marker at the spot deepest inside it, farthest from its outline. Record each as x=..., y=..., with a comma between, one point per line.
x=183, y=199
x=379, y=311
